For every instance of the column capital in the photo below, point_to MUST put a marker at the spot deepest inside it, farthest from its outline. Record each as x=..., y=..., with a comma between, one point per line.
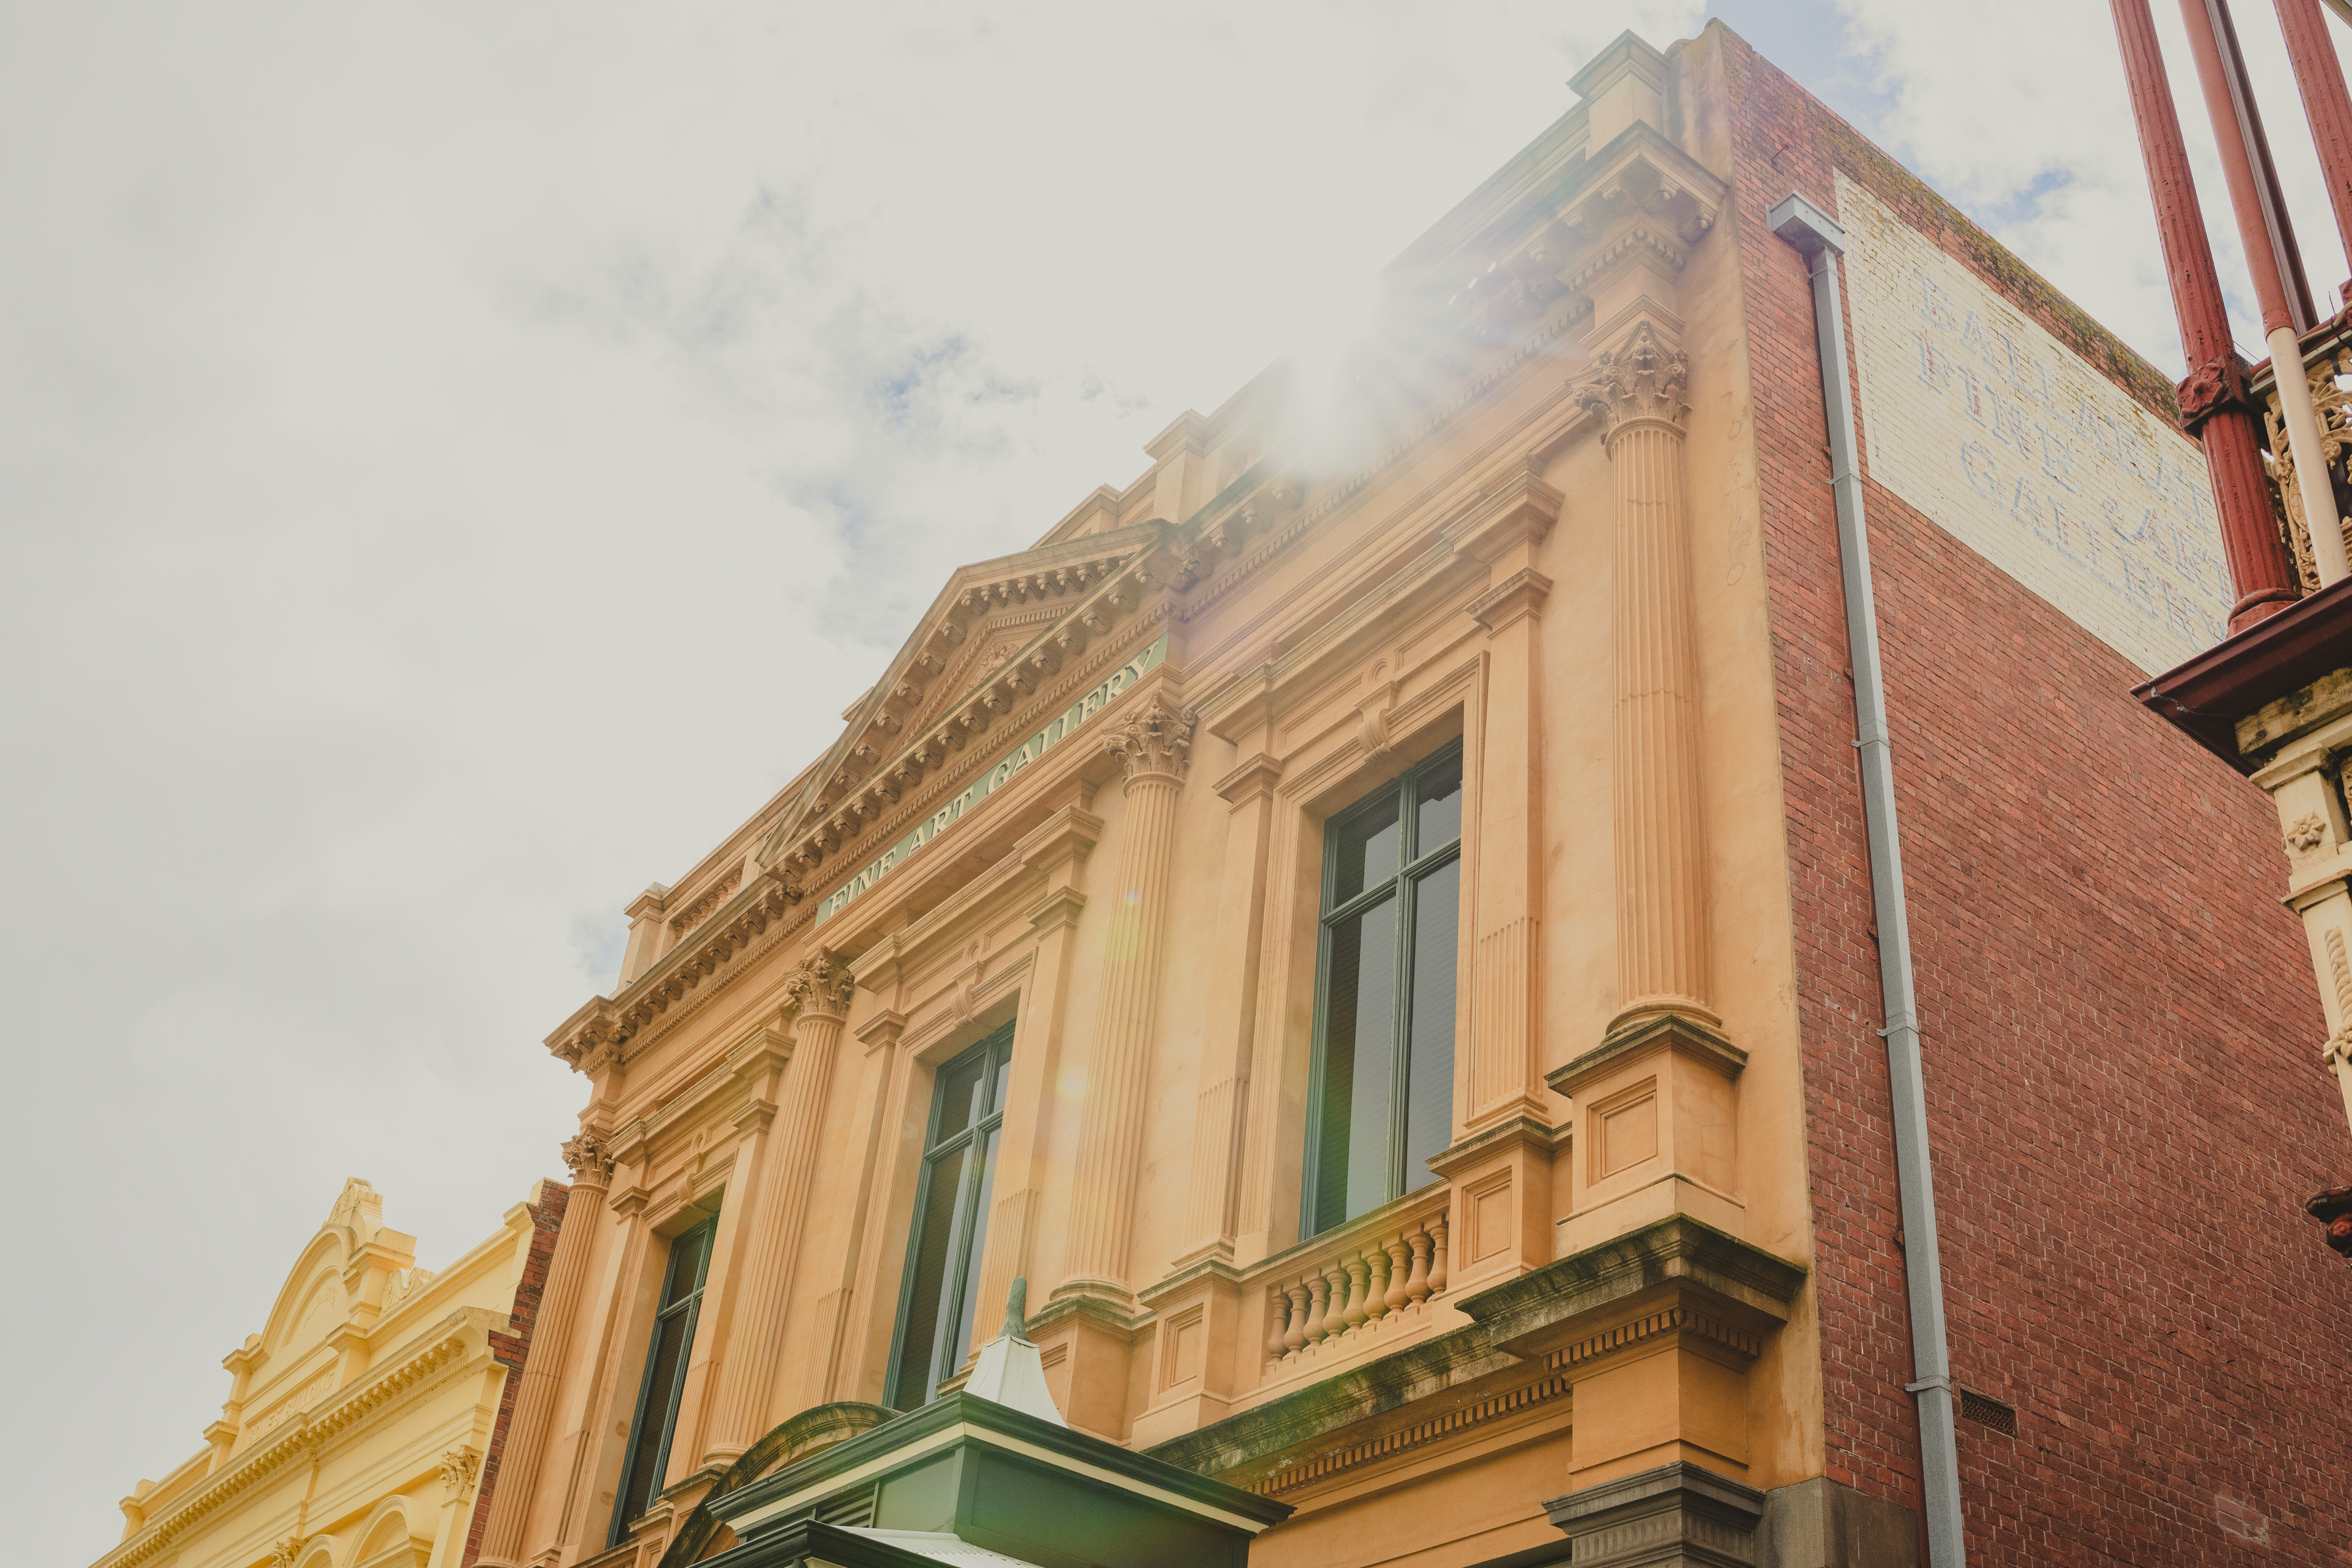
x=1153, y=741
x=1638, y=383
x=458, y=1467
x=819, y=986
x=590, y=1157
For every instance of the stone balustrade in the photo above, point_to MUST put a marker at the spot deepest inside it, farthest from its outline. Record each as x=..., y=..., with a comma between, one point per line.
x=1375, y=1276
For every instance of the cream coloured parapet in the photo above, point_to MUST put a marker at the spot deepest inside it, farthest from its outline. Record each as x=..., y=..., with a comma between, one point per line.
x=2302, y=741
x=1466, y=571
x=360, y=1414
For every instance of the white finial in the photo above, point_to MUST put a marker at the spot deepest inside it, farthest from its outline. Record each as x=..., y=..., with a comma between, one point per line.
x=1010, y=1371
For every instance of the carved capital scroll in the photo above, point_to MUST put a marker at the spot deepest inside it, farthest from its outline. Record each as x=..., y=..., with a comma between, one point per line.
x=819, y=986
x=458, y=1468
x=1154, y=741
x=1639, y=383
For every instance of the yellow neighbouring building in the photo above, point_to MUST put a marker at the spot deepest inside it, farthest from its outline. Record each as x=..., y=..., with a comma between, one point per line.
x=358, y=1419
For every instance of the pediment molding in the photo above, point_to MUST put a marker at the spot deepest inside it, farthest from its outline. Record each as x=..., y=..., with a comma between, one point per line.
x=1085, y=602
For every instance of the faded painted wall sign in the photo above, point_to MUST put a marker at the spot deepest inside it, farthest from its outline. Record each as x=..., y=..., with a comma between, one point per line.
x=1984, y=421
x=1056, y=730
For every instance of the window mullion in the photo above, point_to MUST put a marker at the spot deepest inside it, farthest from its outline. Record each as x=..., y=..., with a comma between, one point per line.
x=1400, y=1038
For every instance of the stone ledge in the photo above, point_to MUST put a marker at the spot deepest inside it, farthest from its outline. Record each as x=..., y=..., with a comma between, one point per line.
x=1505, y=1320
x=1359, y=1393
x=1693, y=1038
x=1673, y=1515
x=1676, y=1248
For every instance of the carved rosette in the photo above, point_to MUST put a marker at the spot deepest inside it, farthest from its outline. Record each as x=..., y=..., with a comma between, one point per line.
x=1155, y=742
x=819, y=986
x=1639, y=382
x=458, y=1468
x=590, y=1157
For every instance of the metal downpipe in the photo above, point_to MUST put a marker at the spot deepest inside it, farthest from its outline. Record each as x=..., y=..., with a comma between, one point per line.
x=1822, y=242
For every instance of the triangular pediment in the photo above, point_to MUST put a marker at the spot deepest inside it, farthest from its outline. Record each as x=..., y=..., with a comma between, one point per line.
x=995, y=634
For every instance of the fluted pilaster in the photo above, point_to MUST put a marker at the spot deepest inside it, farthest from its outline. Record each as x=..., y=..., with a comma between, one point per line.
x=1662, y=959
x=817, y=999
x=551, y=1342
x=1154, y=748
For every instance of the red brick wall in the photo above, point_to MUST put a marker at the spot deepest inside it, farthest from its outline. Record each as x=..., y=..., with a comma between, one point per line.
x=547, y=1220
x=2120, y=1021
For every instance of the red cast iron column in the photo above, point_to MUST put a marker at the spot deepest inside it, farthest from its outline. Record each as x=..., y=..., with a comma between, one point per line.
x=2326, y=103
x=2213, y=399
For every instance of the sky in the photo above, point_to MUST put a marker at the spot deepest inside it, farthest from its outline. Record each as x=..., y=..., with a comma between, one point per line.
x=456, y=462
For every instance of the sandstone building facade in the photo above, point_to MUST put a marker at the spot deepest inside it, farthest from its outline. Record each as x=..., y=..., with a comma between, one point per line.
x=1373, y=923
x=359, y=1418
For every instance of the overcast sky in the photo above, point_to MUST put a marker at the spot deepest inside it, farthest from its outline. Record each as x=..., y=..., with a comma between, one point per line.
x=457, y=461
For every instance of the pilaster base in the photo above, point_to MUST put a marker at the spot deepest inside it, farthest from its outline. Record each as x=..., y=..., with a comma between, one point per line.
x=1086, y=1345
x=1674, y=1515
x=1822, y=1524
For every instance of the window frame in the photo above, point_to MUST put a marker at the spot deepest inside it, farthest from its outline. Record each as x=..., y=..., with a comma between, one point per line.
x=1412, y=867
x=690, y=1307
x=980, y=1178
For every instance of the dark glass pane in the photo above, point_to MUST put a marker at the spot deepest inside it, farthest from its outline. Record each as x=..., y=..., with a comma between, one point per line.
x=1351, y=1163
x=1428, y=1060
x=1363, y=848
x=968, y=1293
x=667, y=1357
x=1439, y=820
x=959, y=1087
x=1003, y=1079
x=687, y=1254
x=934, y=1234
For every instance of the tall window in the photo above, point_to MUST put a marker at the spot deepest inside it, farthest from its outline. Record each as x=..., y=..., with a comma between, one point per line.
x=950, y=1221
x=666, y=1359
x=1380, y=1096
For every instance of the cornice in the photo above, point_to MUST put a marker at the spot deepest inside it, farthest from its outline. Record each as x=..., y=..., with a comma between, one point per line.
x=456, y=1339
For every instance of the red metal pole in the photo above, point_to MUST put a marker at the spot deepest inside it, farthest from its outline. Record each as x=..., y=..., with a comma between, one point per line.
x=2213, y=399
x=2262, y=225
x=2320, y=78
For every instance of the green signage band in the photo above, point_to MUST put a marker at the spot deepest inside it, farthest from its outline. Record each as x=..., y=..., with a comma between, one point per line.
x=1056, y=732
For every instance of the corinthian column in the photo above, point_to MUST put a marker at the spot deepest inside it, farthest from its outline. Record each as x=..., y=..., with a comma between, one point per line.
x=816, y=999
x=1663, y=961
x=1154, y=747
x=516, y=1479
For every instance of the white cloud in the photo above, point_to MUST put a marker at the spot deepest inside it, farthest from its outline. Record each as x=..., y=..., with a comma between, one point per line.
x=456, y=462
x=2018, y=111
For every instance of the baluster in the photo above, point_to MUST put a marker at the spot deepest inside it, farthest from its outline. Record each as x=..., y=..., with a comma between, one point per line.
x=1278, y=1305
x=1357, y=1274
x=1416, y=1289
x=1335, y=1317
x=1400, y=1265
x=1319, y=1289
x=1437, y=1257
x=1295, y=1336
x=1376, y=1299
